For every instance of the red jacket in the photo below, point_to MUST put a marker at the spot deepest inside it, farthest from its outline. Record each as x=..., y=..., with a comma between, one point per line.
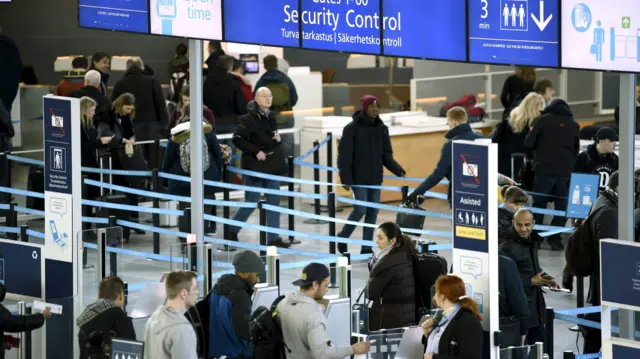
x=73, y=81
x=245, y=84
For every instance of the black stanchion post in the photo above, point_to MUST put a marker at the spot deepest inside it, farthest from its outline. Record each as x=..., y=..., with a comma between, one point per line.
x=580, y=292
x=12, y=221
x=209, y=268
x=329, y=161
x=156, y=150
x=348, y=256
x=568, y=354
x=278, y=274
x=23, y=233
x=156, y=204
x=113, y=257
x=316, y=187
x=331, y=206
x=405, y=193
x=103, y=253
x=290, y=200
x=263, y=222
x=126, y=295
x=548, y=342
x=226, y=211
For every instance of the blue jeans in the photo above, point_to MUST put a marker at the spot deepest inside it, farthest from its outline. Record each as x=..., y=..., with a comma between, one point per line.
x=273, y=218
x=370, y=214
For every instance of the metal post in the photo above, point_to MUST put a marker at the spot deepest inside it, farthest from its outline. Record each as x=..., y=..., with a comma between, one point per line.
x=126, y=295
x=343, y=265
x=263, y=222
x=12, y=221
x=208, y=274
x=226, y=211
x=540, y=350
x=156, y=216
x=291, y=201
x=101, y=255
x=331, y=206
x=113, y=257
x=197, y=173
x=548, y=340
x=568, y=354
x=580, y=292
x=272, y=254
x=488, y=91
x=627, y=132
x=22, y=349
x=316, y=187
x=278, y=274
x=329, y=160
x=23, y=233
x=405, y=193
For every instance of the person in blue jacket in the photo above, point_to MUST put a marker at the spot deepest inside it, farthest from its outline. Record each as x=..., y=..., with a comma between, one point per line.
x=459, y=129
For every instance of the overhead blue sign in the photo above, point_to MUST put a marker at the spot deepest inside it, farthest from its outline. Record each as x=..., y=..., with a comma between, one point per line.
x=583, y=191
x=116, y=15
x=522, y=32
x=620, y=277
x=422, y=24
x=22, y=268
x=273, y=22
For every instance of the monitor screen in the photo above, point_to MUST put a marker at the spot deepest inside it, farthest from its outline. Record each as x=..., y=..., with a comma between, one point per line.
x=115, y=15
x=421, y=25
x=350, y=25
x=26, y=276
x=583, y=191
x=601, y=35
x=275, y=24
x=126, y=349
x=514, y=32
x=194, y=19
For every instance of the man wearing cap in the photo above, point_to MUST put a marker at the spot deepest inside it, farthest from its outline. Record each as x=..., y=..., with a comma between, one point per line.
x=599, y=158
x=365, y=148
x=230, y=308
x=304, y=325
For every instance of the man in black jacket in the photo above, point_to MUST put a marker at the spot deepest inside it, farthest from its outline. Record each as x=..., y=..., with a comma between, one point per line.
x=365, y=148
x=554, y=143
x=10, y=70
x=222, y=94
x=513, y=300
x=92, y=89
x=599, y=158
x=518, y=243
x=104, y=319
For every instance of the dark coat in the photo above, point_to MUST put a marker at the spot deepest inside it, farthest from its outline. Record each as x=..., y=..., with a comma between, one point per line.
x=365, y=147
x=223, y=95
x=278, y=76
x=443, y=168
x=513, y=300
x=525, y=255
x=603, y=225
x=89, y=146
x=462, y=339
x=6, y=126
x=554, y=140
x=391, y=288
x=514, y=90
x=238, y=292
x=505, y=220
x=10, y=70
x=509, y=142
x=17, y=323
x=591, y=161
x=113, y=319
x=254, y=134
x=150, y=104
x=103, y=104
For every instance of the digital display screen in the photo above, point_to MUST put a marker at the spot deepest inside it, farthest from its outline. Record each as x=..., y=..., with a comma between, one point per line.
x=275, y=24
x=25, y=268
x=199, y=19
x=514, y=32
x=344, y=25
x=421, y=25
x=115, y=15
x=601, y=35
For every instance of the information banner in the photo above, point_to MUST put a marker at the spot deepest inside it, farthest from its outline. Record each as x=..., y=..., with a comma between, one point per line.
x=199, y=19
x=421, y=26
x=601, y=35
x=475, y=217
x=620, y=273
x=276, y=23
x=583, y=191
x=116, y=15
x=514, y=32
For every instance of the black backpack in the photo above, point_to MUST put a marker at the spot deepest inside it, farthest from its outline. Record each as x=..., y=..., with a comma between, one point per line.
x=581, y=250
x=427, y=267
x=266, y=333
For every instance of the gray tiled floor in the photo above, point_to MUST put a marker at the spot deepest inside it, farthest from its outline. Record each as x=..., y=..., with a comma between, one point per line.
x=136, y=270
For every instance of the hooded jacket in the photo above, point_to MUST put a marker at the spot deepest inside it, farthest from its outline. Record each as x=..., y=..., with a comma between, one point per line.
x=365, y=148
x=603, y=225
x=103, y=316
x=443, y=168
x=74, y=80
x=505, y=219
x=591, y=161
x=304, y=329
x=554, y=140
x=150, y=103
x=169, y=335
x=223, y=95
x=230, y=312
x=278, y=76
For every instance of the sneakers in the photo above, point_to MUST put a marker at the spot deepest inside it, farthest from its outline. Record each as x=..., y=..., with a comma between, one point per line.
x=280, y=243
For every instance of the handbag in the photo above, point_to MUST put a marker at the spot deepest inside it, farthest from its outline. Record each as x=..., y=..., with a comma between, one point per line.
x=410, y=220
x=133, y=162
x=360, y=315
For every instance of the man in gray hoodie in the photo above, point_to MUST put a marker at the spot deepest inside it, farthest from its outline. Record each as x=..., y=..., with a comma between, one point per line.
x=168, y=334
x=304, y=325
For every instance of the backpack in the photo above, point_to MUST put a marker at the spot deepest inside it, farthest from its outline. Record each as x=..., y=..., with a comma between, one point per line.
x=179, y=79
x=427, y=267
x=581, y=251
x=266, y=333
x=281, y=96
x=468, y=102
x=185, y=155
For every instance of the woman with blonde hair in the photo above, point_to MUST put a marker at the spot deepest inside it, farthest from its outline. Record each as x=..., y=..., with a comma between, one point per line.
x=530, y=108
x=90, y=143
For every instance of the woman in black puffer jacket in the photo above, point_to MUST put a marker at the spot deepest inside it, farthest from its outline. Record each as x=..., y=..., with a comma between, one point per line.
x=514, y=199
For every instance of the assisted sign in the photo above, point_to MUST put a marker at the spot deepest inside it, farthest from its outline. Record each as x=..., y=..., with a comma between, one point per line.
x=601, y=35
x=620, y=273
x=474, y=199
x=200, y=19
x=583, y=191
x=514, y=32
x=272, y=22
x=115, y=15
x=419, y=34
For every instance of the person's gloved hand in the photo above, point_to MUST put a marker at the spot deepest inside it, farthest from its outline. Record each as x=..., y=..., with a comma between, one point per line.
x=412, y=197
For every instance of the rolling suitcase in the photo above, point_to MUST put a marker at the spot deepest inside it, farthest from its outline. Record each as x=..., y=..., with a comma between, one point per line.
x=427, y=267
x=35, y=183
x=110, y=197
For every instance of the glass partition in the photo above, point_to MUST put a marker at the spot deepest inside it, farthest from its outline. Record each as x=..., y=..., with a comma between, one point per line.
x=91, y=274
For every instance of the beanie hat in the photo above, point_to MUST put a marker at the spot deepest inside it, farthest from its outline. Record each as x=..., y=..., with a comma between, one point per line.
x=368, y=100
x=248, y=262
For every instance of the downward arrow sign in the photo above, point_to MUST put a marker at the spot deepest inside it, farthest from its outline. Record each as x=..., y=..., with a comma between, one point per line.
x=542, y=22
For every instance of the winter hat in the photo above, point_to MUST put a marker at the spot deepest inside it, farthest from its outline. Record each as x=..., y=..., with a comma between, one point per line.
x=368, y=100
x=248, y=262
x=607, y=133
